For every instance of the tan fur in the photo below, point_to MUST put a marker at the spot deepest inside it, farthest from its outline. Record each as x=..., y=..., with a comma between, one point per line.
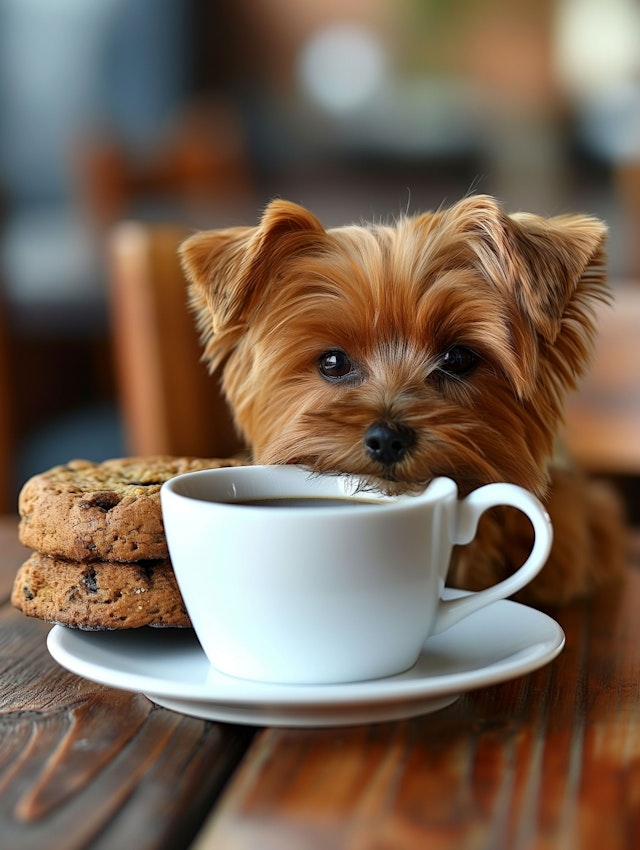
x=519, y=291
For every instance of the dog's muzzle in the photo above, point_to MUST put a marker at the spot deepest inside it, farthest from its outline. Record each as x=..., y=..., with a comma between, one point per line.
x=388, y=444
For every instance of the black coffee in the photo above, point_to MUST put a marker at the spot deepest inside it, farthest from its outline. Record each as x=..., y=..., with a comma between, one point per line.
x=305, y=502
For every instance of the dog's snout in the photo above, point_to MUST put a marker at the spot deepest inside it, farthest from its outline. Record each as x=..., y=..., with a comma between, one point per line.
x=388, y=444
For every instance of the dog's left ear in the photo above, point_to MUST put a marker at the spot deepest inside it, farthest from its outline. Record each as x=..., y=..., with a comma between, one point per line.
x=563, y=268
x=545, y=265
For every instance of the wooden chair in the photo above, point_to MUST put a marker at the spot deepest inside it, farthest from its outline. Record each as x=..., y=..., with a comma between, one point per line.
x=170, y=404
x=200, y=165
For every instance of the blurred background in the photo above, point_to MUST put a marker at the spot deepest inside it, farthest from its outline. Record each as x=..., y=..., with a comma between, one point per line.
x=199, y=111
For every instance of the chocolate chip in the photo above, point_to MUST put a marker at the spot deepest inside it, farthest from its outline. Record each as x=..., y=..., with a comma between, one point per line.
x=103, y=499
x=90, y=581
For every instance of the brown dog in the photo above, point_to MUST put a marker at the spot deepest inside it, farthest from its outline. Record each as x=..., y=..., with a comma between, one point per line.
x=443, y=345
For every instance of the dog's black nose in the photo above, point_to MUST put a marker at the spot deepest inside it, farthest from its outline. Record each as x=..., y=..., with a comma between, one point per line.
x=388, y=444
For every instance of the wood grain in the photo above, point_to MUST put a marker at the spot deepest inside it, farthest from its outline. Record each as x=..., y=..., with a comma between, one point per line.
x=551, y=760
x=82, y=764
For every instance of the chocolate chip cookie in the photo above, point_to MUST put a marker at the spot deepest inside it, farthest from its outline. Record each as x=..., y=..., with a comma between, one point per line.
x=99, y=595
x=84, y=511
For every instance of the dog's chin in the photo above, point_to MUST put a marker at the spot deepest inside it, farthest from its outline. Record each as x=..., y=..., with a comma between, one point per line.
x=386, y=481
x=391, y=486
x=471, y=463
x=389, y=481
x=395, y=480
x=412, y=474
x=386, y=484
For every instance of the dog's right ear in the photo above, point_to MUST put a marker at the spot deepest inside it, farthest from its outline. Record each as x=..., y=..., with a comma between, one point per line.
x=230, y=270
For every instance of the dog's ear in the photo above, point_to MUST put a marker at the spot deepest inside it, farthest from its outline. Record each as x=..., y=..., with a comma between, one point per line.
x=546, y=265
x=551, y=273
x=564, y=269
x=229, y=270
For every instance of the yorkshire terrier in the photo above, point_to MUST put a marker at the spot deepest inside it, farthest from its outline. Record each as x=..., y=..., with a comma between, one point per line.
x=442, y=345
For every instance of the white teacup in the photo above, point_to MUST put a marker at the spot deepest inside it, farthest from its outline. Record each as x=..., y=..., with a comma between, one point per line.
x=297, y=578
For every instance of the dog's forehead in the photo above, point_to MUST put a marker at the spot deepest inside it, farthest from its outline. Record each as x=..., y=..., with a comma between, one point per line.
x=398, y=277
x=409, y=257
x=390, y=289
x=390, y=318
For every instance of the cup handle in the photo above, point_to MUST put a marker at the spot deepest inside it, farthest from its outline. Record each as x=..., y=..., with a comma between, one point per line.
x=470, y=510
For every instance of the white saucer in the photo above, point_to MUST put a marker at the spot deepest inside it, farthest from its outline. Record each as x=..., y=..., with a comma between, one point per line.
x=500, y=642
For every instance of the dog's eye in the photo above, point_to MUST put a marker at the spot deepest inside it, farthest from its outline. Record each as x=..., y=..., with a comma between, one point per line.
x=459, y=361
x=335, y=364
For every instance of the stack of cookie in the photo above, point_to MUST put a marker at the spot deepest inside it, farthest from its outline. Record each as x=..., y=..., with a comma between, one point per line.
x=101, y=559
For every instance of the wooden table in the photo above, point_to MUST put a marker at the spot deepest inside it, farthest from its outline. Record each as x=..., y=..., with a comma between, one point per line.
x=550, y=760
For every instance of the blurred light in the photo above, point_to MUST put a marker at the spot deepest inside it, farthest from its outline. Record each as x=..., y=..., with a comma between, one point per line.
x=342, y=68
x=597, y=44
